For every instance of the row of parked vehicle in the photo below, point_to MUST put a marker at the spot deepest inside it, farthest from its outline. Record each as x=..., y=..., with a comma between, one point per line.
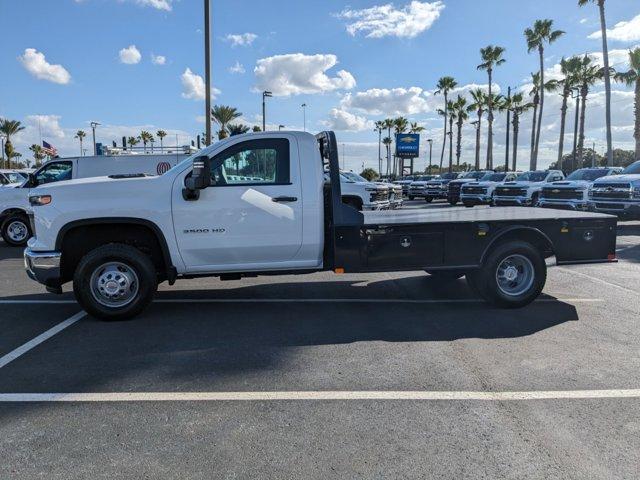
x=607, y=190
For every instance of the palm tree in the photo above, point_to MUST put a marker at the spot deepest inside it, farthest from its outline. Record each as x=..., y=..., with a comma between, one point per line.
x=388, y=124
x=588, y=75
x=415, y=128
x=238, y=129
x=80, y=135
x=492, y=57
x=632, y=77
x=223, y=115
x=606, y=73
x=9, y=128
x=38, y=154
x=387, y=143
x=549, y=86
x=379, y=128
x=480, y=103
x=451, y=111
x=133, y=141
x=518, y=107
x=146, y=138
x=541, y=34
x=444, y=86
x=460, y=108
x=161, y=134
x=569, y=68
x=400, y=125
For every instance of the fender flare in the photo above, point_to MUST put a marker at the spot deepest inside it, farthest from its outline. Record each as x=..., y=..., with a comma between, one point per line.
x=509, y=230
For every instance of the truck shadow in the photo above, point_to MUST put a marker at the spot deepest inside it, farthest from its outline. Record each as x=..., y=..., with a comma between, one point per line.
x=7, y=252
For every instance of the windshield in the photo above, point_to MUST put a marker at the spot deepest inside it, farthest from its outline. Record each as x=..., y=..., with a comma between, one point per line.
x=532, y=177
x=589, y=174
x=15, y=177
x=633, y=169
x=449, y=176
x=355, y=177
x=494, y=177
x=477, y=175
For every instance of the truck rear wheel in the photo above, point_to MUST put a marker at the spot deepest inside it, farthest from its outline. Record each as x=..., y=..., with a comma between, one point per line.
x=115, y=282
x=16, y=230
x=512, y=276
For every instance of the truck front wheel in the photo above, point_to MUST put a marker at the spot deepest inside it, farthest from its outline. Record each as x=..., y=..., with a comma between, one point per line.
x=16, y=231
x=512, y=276
x=115, y=282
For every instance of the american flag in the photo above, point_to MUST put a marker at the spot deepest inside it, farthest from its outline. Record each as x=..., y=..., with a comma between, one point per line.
x=49, y=149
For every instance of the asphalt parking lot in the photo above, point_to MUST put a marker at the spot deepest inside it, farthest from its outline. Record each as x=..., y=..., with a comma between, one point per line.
x=325, y=376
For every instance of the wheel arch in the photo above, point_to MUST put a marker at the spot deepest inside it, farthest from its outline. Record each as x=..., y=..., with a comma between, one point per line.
x=532, y=235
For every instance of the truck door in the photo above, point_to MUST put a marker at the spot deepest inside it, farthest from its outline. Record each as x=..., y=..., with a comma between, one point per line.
x=251, y=215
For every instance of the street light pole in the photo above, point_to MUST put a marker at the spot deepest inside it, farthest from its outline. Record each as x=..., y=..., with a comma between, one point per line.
x=207, y=68
x=2, y=140
x=304, y=116
x=506, y=152
x=430, y=154
x=265, y=94
x=93, y=130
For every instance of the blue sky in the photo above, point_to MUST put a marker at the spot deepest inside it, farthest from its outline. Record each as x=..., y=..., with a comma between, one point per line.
x=63, y=62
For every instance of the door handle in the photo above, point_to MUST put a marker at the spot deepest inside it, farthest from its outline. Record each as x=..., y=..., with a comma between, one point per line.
x=285, y=199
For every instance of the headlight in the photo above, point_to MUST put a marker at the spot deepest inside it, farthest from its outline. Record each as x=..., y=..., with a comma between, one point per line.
x=39, y=200
x=371, y=189
x=636, y=192
x=581, y=187
x=590, y=192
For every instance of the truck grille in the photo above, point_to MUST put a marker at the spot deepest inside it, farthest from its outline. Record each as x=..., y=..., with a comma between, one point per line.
x=511, y=192
x=561, y=193
x=613, y=191
x=381, y=196
x=454, y=188
x=474, y=190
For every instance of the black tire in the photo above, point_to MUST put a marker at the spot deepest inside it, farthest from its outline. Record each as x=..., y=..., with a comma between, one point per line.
x=428, y=199
x=452, y=203
x=469, y=205
x=131, y=257
x=14, y=224
x=484, y=280
x=411, y=197
x=446, y=275
x=534, y=199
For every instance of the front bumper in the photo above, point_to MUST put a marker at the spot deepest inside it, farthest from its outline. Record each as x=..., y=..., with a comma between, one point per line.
x=43, y=267
x=376, y=206
x=416, y=192
x=576, y=205
x=625, y=209
x=512, y=201
x=435, y=193
x=468, y=199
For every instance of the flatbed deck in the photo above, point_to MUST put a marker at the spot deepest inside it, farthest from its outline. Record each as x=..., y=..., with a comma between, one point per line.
x=407, y=217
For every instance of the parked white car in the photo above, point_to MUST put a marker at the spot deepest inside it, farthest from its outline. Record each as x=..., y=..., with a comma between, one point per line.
x=572, y=193
x=14, y=202
x=12, y=178
x=481, y=191
x=525, y=190
x=417, y=188
x=362, y=194
x=619, y=194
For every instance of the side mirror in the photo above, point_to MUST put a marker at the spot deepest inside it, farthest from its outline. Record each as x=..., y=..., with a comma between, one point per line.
x=199, y=180
x=32, y=181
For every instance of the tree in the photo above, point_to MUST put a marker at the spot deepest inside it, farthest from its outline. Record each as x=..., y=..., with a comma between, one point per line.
x=415, y=128
x=518, y=107
x=9, y=128
x=133, y=141
x=451, y=109
x=569, y=69
x=256, y=128
x=460, y=109
x=370, y=174
x=549, y=86
x=479, y=105
x=492, y=57
x=146, y=138
x=387, y=143
x=632, y=78
x=606, y=74
x=400, y=125
x=588, y=74
x=223, y=115
x=161, y=134
x=444, y=86
x=379, y=128
x=80, y=135
x=238, y=129
x=38, y=154
x=388, y=124
x=542, y=33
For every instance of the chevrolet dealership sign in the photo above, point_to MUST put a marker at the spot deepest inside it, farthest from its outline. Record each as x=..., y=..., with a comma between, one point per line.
x=407, y=145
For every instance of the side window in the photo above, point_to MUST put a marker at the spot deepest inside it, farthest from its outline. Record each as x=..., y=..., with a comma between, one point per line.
x=254, y=162
x=3, y=180
x=54, y=172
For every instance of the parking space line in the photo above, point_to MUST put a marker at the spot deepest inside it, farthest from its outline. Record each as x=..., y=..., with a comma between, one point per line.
x=597, y=280
x=305, y=300
x=318, y=395
x=21, y=350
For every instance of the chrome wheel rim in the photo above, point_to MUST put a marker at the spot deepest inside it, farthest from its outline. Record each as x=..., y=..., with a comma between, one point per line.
x=114, y=284
x=515, y=275
x=17, y=231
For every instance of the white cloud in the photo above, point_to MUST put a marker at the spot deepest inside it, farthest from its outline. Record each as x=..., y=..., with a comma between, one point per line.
x=157, y=4
x=238, y=68
x=386, y=20
x=583, y=21
x=295, y=73
x=627, y=31
x=241, y=40
x=37, y=65
x=194, y=87
x=387, y=102
x=49, y=125
x=342, y=120
x=158, y=59
x=130, y=55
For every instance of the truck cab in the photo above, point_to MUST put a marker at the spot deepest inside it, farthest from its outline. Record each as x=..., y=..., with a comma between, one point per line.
x=259, y=204
x=618, y=194
x=525, y=190
x=572, y=192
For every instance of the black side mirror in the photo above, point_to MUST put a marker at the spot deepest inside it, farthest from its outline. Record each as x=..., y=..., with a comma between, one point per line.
x=199, y=180
x=32, y=181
